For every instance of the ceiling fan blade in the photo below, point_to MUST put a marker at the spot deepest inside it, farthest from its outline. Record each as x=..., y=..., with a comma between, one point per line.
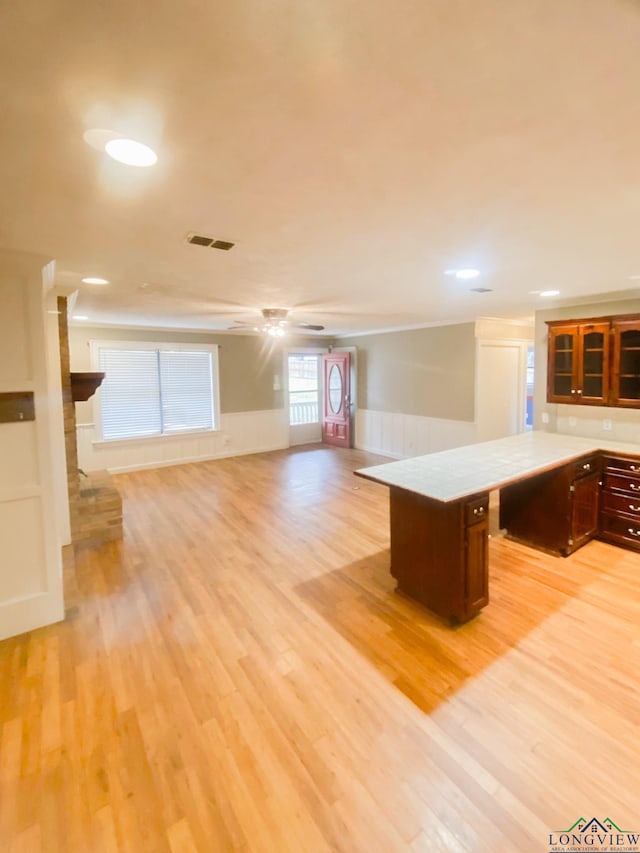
x=312, y=327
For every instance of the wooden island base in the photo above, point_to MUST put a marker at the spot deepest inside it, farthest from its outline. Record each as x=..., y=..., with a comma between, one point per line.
x=439, y=552
x=556, y=493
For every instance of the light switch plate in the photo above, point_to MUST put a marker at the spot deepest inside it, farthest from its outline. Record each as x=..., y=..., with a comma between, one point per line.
x=606, y=424
x=545, y=417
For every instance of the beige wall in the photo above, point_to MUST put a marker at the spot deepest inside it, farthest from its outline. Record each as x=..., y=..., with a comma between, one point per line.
x=426, y=372
x=248, y=363
x=573, y=419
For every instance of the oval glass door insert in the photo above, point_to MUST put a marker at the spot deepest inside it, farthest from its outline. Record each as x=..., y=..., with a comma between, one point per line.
x=335, y=389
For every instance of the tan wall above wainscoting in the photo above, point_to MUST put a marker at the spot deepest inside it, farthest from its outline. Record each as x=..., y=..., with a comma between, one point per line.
x=428, y=372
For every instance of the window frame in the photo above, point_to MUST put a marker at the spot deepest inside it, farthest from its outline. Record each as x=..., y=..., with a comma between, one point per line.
x=306, y=354
x=95, y=345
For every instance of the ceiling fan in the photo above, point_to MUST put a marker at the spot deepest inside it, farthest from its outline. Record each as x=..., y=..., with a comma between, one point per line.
x=276, y=323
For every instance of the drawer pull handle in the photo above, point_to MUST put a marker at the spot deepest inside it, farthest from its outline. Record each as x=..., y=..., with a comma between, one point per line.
x=572, y=391
x=579, y=391
x=634, y=508
x=634, y=487
x=478, y=510
x=586, y=466
x=634, y=467
x=633, y=532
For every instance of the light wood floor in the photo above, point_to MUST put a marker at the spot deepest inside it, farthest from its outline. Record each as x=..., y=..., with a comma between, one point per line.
x=239, y=674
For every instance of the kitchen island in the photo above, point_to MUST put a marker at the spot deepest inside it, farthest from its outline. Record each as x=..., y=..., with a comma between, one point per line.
x=550, y=498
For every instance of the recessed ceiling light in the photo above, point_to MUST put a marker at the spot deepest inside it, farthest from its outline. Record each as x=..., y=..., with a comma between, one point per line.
x=549, y=292
x=125, y=150
x=94, y=280
x=79, y=317
x=130, y=152
x=465, y=273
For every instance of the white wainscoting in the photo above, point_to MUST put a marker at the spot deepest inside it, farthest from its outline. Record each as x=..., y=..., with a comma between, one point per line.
x=398, y=435
x=305, y=434
x=239, y=433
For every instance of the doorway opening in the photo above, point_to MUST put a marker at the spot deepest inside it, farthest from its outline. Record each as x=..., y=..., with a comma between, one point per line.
x=304, y=387
x=530, y=378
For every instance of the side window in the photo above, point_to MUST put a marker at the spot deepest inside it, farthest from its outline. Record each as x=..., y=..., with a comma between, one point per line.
x=304, y=389
x=156, y=389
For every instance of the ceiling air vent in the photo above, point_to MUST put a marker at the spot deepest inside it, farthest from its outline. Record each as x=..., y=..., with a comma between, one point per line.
x=480, y=290
x=209, y=242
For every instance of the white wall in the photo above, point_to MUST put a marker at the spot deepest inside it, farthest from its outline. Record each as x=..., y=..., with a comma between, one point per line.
x=239, y=433
x=30, y=529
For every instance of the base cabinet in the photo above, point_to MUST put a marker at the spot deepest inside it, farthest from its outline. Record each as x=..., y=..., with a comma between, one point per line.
x=439, y=549
x=619, y=521
x=476, y=574
x=556, y=511
x=439, y=552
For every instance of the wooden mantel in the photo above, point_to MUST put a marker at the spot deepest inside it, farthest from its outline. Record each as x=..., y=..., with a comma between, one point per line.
x=85, y=385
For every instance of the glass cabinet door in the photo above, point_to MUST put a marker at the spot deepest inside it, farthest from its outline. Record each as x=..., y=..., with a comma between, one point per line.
x=595, y=362
x=626, y=363
x=593, y=381
x=563, y=364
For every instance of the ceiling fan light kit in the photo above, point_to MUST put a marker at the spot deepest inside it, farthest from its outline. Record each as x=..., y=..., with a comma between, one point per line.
x=277, y=323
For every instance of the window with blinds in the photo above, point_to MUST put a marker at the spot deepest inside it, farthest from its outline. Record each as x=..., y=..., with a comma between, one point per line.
x=156, y=389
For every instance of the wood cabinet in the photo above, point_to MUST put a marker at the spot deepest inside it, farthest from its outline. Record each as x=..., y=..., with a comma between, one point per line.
x=594, y=362
x=556, y=511
x=439, y=538
x=439, y=552
x=625, y=385
x=578, y=370
x=476, y=567
x=620, y=501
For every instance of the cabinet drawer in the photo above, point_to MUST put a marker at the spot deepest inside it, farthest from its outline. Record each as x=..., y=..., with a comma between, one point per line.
x=620, y=530
x=476, y=510
x=620, y=463
x=615, y=503
x=585, y=466
x=621, y=483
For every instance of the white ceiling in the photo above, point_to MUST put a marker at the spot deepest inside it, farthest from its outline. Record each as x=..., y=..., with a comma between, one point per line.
x=353, y=151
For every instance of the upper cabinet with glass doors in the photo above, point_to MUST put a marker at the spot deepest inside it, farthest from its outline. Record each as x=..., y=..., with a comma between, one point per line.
x=594, y=362
x=625, y=387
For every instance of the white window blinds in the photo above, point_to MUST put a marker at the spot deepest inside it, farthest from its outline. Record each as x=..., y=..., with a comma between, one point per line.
x=155, y=391
x=185, y=383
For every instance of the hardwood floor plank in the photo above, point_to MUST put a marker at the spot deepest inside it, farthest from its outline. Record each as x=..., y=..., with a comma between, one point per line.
x=239, y=674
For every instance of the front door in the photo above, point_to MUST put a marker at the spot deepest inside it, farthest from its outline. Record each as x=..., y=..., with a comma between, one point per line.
x=336, y=409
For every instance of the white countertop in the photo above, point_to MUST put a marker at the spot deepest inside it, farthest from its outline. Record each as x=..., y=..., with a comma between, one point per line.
x=463, y=471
